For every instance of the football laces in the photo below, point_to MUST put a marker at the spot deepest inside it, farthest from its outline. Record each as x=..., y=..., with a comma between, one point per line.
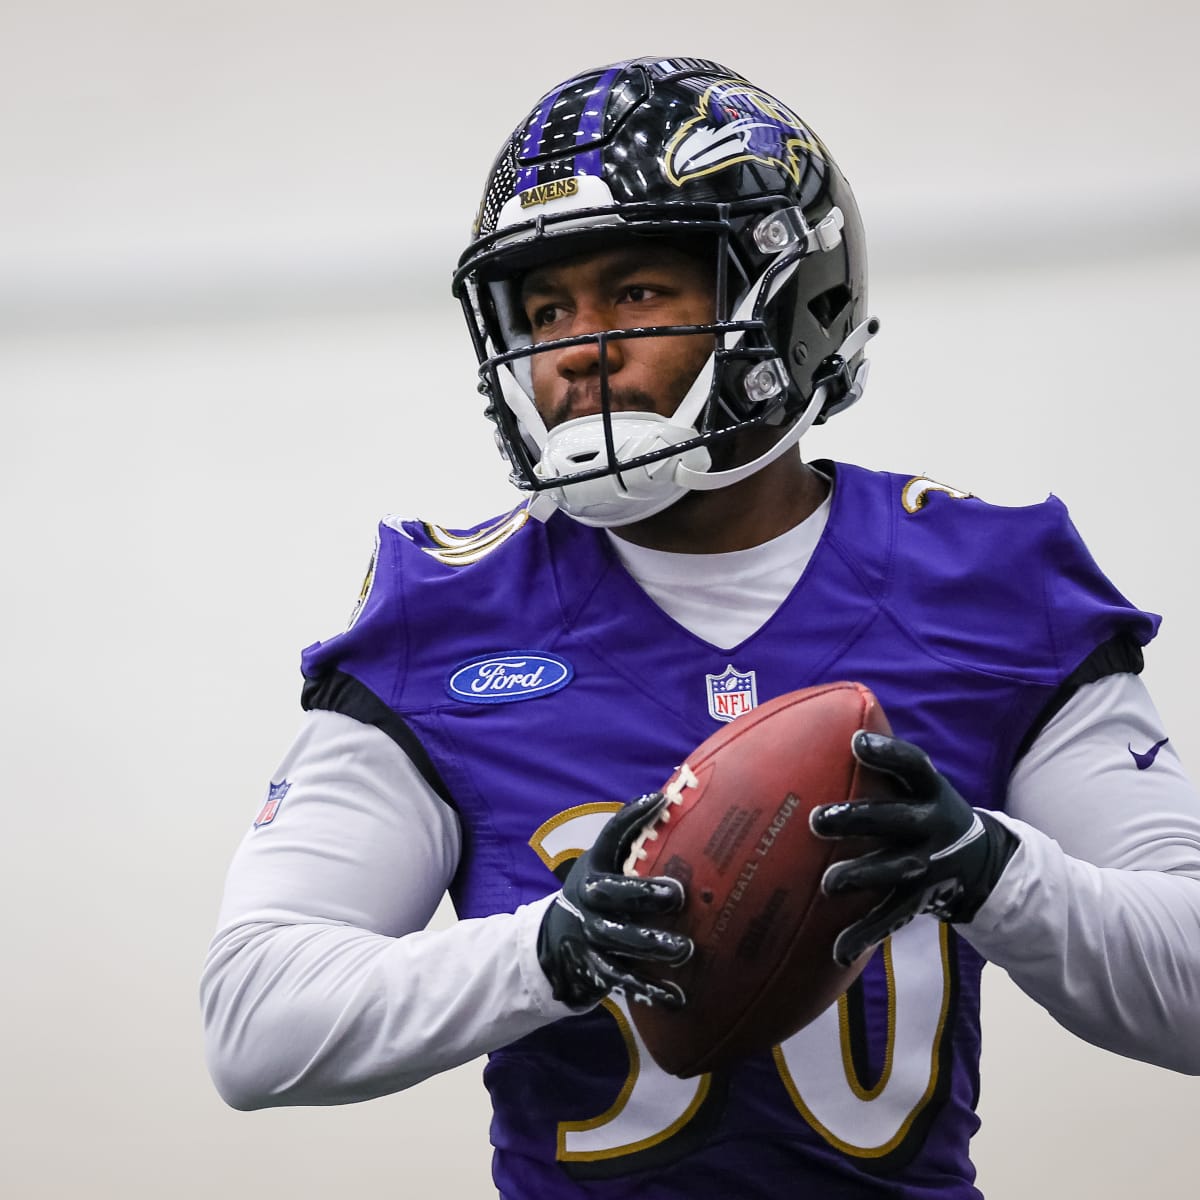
x=684, y=778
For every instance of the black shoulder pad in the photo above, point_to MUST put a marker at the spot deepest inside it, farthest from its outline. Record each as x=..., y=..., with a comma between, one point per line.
x=1120, y=655
x=335, y=691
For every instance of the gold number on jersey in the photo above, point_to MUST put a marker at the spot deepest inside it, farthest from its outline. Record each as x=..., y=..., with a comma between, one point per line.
x=816, y=1065
x=652, y=1106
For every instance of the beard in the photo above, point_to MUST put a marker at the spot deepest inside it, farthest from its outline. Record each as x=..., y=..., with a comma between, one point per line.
x=583, y=397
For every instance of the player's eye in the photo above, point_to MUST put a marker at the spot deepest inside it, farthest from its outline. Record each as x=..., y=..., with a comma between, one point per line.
x=542, y=315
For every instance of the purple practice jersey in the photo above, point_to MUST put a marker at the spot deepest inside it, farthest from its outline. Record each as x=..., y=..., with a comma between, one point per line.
x=537, y=687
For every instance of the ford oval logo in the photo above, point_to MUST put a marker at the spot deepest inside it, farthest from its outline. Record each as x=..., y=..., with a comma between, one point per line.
x=503, y=678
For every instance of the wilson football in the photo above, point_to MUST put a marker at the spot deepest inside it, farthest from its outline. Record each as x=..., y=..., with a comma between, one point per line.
x=736, y=835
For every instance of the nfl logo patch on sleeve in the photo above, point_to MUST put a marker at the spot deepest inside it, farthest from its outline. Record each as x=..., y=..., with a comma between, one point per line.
x=275, y=795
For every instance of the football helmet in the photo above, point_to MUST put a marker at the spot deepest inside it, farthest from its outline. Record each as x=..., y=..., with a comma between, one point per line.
x=684, y=149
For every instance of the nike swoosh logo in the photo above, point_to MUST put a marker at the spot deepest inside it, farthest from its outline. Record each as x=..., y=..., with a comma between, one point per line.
x=1142, y=761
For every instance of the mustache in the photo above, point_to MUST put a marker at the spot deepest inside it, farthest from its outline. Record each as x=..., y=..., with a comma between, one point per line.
x=585, y=396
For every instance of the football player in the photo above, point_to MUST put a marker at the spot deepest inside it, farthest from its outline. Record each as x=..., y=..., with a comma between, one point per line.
x=666, y=287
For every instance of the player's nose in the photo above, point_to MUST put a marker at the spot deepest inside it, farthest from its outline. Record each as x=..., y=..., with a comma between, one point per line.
x=584, y=360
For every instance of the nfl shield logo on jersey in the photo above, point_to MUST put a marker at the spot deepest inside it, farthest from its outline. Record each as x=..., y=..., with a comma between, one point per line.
x=275, y=795
x=731, y=693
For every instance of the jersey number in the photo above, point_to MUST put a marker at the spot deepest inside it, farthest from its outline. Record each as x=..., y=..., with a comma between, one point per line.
x=817, y=1065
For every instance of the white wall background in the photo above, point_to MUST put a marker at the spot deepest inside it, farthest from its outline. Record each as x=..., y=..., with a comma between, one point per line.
x=226, y=346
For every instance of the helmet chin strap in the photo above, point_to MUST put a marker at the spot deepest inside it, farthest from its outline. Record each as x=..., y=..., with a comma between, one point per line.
x=708, y=481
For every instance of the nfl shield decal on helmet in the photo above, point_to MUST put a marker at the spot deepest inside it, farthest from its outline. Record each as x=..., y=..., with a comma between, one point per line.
x=275, y=795
x=731, y=693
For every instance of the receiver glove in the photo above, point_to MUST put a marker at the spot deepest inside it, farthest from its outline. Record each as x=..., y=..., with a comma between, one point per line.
x=938, y=854
x=596, y=932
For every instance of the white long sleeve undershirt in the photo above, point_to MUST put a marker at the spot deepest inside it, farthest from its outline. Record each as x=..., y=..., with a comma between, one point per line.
x=322, y=985
x=1097, y=916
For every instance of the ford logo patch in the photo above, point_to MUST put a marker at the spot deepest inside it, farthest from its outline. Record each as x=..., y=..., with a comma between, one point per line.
x=503, y=678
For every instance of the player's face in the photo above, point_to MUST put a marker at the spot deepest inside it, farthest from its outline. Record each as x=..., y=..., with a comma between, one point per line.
x=627, y=288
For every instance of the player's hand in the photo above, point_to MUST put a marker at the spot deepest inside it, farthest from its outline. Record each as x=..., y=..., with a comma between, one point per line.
x=600, y=925
x=939, y=855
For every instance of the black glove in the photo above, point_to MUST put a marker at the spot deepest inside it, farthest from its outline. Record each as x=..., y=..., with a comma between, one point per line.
x=594, y=934
x=939, y=855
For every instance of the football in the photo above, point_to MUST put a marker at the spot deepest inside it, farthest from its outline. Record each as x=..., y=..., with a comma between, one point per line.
x=735, y=833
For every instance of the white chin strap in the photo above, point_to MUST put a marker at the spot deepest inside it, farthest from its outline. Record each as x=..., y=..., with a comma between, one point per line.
x=627, y=495
x=632, y=494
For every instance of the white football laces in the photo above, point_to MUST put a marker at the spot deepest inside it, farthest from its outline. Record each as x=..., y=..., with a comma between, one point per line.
x=684, y=778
